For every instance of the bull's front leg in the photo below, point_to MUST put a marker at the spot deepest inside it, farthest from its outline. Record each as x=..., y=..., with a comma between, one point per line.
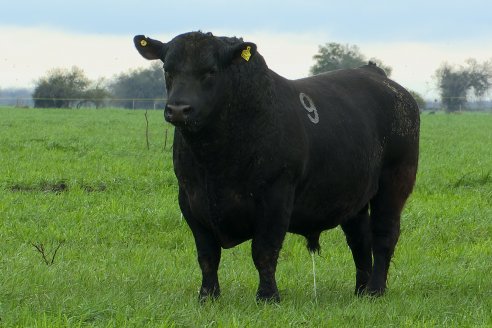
x=270, y=230
x=208, y=252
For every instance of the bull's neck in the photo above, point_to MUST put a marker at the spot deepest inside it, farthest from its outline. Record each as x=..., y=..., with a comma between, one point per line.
x=225, y=138
x=235, y=137
x=244, y=122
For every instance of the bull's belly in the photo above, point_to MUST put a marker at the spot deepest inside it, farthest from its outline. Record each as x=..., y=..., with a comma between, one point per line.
x=306, y=221
x=230, y=216
x=238, y=224
x=318, y=211
x=234, y=230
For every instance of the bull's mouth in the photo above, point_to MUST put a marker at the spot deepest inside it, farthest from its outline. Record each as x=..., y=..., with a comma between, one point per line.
x=188, y=124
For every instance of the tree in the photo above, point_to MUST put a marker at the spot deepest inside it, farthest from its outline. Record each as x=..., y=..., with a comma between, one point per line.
x=480, y=76
x=333, y=56
x=457, y=83
x=144, y=86
x=418, y=98
x=453, y=86
x=97, y=95
x=60, y=88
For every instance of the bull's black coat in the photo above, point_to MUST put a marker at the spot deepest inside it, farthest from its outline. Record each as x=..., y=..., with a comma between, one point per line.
x=257, y=155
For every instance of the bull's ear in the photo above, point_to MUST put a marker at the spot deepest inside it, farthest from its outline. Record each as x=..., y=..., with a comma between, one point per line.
x=242, y=52
x=149, y=48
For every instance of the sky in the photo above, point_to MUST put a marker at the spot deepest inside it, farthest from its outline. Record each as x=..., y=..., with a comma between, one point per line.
x=413, y=37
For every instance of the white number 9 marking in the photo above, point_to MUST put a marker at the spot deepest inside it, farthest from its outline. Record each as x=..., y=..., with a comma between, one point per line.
x=308, y=104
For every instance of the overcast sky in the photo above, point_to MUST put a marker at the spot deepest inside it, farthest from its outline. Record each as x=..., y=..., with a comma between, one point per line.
x=414, y=37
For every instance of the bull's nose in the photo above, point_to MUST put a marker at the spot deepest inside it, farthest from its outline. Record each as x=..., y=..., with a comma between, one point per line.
x=177, y=113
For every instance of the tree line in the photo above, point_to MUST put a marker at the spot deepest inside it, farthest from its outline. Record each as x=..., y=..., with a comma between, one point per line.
x=70, y=88
x=457, y=84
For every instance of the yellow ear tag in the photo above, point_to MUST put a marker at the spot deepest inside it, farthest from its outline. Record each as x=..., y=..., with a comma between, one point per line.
x=143, y=43
x=246, y=53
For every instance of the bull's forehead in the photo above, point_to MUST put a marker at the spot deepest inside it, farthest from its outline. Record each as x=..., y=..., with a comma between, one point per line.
x=192, y=52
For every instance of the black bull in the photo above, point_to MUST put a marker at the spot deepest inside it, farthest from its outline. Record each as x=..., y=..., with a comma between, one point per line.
x=257, y=156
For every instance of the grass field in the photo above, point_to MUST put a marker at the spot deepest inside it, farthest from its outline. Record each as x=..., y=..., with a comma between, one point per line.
x=84, y=181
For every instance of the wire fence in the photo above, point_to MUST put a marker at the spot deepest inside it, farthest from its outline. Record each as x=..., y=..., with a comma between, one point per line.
x=129, y=103
x=160, y=103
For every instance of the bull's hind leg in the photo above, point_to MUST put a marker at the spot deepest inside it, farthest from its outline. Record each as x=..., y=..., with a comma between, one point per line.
x=358, y=234
x=394, y=188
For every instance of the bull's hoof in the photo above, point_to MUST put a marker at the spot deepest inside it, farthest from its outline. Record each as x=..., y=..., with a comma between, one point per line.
x=206, y=294
x=267, y=297
x=360, y=290
x=374, y=291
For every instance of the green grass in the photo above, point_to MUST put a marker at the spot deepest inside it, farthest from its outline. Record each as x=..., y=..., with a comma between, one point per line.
x=85, y=179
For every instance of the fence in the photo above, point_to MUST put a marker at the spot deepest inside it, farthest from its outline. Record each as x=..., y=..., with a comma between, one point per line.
x=129, y=103
x=159, y=103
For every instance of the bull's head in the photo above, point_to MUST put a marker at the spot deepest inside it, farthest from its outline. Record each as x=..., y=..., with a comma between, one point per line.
x=197, y=72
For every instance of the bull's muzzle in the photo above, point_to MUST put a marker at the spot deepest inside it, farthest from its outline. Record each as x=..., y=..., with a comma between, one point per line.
x=177, y=114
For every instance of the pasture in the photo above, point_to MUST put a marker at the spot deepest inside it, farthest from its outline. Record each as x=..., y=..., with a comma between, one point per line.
x=83, y=182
